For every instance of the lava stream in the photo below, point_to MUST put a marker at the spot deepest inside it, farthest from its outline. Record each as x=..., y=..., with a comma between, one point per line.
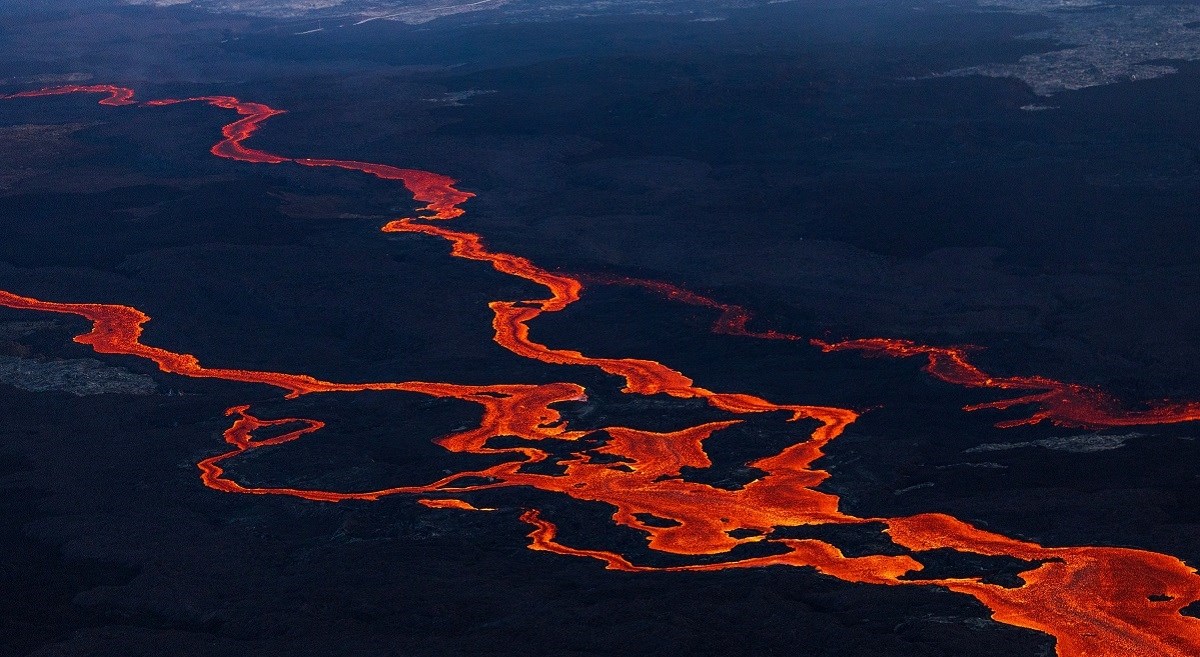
x=1063, y=404
x=1095, y=601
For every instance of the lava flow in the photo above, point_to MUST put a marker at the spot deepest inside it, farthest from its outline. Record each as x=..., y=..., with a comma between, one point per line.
x=1063, y=404
x=732, y=320
x=1095, y=601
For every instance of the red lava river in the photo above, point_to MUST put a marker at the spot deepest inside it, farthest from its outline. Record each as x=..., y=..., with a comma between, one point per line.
x=1094, y=601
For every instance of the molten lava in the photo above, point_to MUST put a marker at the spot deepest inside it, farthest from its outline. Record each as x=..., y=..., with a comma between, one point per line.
x=1095, y=601
x=1063, y=404
x=732, y=320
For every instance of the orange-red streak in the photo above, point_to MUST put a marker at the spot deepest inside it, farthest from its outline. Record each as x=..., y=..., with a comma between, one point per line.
x=731, y=320
x=1096, y=602
x=1058, y=402
x=1064, y=404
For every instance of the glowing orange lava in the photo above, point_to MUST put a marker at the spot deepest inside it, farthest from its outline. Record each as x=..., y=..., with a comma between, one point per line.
x=1063, y=404
x=732, y=320
x=1095, y=601
x=451, y=503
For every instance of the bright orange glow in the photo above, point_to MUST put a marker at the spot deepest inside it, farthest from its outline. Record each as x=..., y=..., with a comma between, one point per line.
x=116, y=95
x=1064, y=404
x=459, y=505
x=733, y=319
x=1095, y=601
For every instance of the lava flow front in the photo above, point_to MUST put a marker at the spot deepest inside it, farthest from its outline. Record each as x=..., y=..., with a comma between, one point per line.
x=1095, y=601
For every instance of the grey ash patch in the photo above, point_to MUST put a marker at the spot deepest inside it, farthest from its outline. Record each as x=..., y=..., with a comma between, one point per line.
x=456, y=98
x=1083, y=443
x=927, y=484
x=78, y=376
x=48, y=78
x=1101, y=43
